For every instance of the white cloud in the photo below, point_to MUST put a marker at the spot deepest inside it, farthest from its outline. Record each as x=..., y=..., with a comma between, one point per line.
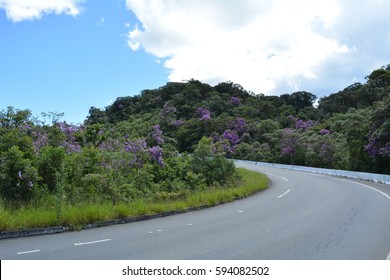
x=19, y=10
x=267, y=46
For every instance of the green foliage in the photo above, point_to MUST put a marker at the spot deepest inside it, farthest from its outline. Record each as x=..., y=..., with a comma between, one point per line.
x=12, y=118
x=136, y=148
x=76, y=216
x=214, y=167
x=50, y=162
x=17, y=175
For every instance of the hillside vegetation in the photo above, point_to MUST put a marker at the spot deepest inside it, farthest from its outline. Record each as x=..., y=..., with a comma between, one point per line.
x=173, y=142
x=348, y=130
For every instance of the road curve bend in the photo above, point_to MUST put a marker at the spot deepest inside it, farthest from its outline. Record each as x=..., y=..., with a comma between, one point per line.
x=301, y=216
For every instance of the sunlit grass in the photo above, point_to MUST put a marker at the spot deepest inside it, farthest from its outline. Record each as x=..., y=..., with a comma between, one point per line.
x=75, y=216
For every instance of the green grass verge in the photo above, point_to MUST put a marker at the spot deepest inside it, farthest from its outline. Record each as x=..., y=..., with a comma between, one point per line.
x=78, y=215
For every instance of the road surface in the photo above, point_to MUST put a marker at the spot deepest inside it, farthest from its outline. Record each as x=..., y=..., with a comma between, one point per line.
x=301, y=216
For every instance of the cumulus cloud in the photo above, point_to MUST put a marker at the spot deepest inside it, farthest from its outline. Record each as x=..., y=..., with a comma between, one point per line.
x=271, y=47
x=19, y=10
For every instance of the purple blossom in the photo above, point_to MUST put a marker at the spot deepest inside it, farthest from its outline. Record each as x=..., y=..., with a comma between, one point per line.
x=372, y=149
x=67, y=128
x=325, y=152
x=178, y=123
x=324, y=131
x=25, y=127
x=223, y=146
x=203, y=113
x=385, y=151
x=30, y=184
x=157, y=135
x=157, y=152
x=205, y=117
x=110, y=145
x=291, y=117
x=304, y=125
x=240, y=126
x=289, y=141
x=70, y=144
x=20, y=176
x=71, y=147
x=287, y=151
x=232, y=137
x=40, y=140
x=136, y=146
x=235, y=101
x=168, y=112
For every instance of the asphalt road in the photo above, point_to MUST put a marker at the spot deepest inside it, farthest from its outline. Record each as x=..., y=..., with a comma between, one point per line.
x=301, y=216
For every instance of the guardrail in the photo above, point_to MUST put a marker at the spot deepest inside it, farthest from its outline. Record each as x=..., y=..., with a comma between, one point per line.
x=372, y=177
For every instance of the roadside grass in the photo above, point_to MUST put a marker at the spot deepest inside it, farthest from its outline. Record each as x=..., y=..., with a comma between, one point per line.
x=76, y=216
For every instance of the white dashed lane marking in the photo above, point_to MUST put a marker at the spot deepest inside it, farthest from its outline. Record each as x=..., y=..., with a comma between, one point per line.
x=91, y=242
x=280, y=196
x=28, y=252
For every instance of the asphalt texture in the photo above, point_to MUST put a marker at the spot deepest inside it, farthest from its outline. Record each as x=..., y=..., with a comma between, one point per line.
x=300, y=216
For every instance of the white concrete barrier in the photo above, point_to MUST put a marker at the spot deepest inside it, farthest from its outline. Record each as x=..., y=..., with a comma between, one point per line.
x=378, y=178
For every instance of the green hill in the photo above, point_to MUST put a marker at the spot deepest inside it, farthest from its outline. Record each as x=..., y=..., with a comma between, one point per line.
x=348, y=130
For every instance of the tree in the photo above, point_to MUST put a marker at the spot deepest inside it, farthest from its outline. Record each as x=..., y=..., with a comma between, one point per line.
x=213, y=167
x=299, y=100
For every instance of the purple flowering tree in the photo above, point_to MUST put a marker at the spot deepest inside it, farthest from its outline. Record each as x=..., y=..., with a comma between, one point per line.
x=228, y=142
x=324, y=131
x=232, y=137
x=137, y=148
x=235, y=101
x=291, y=149
x=157, y=135
x=178, y=123
x=157, y=154
x=304, y=125
x=70, y=144
x=204, y=114
x=110, y=145
x=240, y=126
x=168, y=113
x=39, y=137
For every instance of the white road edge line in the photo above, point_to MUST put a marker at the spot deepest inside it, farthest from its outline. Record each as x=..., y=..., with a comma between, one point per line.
x=284, y=178
x=91, y=242
x=385, y=194
x=28, y=252
x=284, y=193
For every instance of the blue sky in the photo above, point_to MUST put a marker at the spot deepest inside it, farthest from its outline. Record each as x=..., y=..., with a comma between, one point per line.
x=67, y=64
x=69, y=55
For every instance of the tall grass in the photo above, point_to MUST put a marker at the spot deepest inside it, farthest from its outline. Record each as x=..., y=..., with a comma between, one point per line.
x=75, y=216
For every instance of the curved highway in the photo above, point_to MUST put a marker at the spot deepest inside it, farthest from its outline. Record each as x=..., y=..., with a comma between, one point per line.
x=301, y=216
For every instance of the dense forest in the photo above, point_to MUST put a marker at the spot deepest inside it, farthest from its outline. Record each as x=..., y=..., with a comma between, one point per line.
x=170, y=141
x=348, y=130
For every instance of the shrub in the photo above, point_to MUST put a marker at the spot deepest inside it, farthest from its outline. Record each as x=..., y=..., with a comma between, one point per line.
x=213, y=167
x=50, y=163
x=18, y=176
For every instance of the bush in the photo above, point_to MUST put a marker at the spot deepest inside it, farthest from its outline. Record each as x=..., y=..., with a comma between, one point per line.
x=213, y=167
x=18, y=176
x=50, y=163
